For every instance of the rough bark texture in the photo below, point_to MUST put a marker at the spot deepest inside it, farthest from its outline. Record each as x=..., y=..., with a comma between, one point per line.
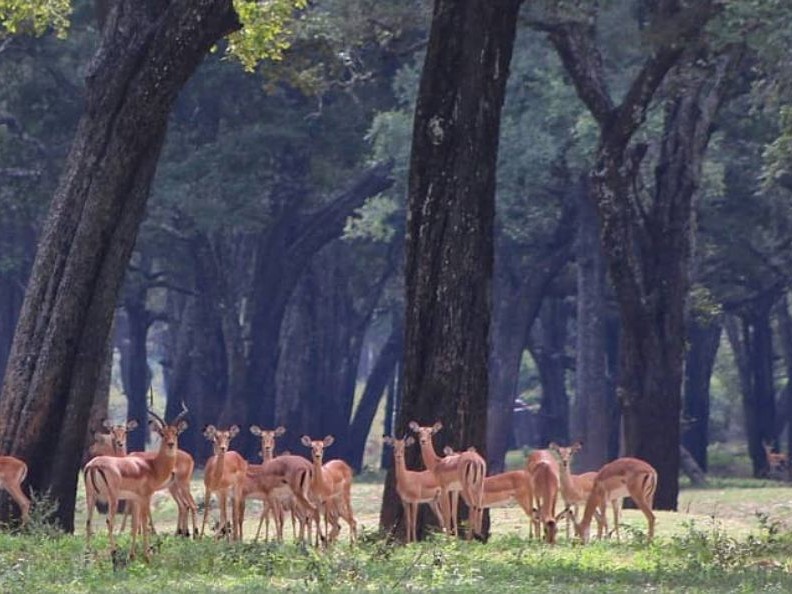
x=703, y=340
x=147, y=52
x=647, y=246
x=451, y=207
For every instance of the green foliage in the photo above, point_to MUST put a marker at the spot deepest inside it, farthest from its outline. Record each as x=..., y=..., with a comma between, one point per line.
x=34, y=16
x=265, y=32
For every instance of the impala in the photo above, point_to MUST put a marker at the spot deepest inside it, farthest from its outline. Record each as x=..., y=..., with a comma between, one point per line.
x=133, y=478
x=223, y=471
x=459, y=473
x=332, y=485
x=414, y=487
x=575, y=488
x=114, y=441
x=616, y=480
x=776, y=462
x=12, y=472
x=276, y=478
x=277, y=505
x=543, y=468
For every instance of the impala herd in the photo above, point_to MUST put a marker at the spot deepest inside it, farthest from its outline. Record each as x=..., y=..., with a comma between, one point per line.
x=312, y=489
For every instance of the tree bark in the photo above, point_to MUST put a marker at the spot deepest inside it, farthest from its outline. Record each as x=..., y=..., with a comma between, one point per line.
x=450, y=214
x=648, y=247
x=548, y=346
x=591, y=414
x=703, y=340
x=785, y=340
x=751, y=339
x=147, y=52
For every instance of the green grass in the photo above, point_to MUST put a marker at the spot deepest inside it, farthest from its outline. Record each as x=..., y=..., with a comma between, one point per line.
x=724, y=539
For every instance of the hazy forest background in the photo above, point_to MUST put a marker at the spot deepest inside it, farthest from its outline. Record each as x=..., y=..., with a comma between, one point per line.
x=642, y=230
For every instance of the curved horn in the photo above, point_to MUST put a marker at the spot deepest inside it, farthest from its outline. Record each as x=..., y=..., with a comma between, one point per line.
x=181, y=415
x=157, y=418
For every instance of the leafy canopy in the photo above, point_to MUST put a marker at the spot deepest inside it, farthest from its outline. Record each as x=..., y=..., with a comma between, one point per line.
x=264, y=35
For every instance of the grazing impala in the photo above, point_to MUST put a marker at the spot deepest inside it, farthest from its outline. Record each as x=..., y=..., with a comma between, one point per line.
x=133, y=478
x=459, y=473
x=332, y=485
x=12, y=472
x=575, y=488
x=615, y=481
x=222, y=473
x=414, y=487
x=543, y=468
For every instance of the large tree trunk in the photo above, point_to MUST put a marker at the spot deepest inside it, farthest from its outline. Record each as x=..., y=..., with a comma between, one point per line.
x=148, y=50
x=648, y=247
x=703, y=338
x=451, y=208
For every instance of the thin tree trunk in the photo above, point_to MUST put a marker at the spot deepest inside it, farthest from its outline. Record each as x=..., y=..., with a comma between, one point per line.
x=591, y=414
x=703, y=340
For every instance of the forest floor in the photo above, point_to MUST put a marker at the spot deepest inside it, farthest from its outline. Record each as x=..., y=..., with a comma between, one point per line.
x=735, y=536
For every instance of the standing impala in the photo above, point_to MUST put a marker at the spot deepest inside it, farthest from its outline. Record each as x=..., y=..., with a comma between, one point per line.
x=112, y=443
x=133, y=478
x=222, y=473
x=414, y=487
x=272, y=506
x=615, y=481
x=459, y=473
x=575, y=488
x=12, y=472
x=332, y=485
x=543, y=468
x=280, y=477
x=776, y=462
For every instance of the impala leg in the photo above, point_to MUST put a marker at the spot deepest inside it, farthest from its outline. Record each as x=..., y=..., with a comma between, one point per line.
x=264, y=512
x=207, y=501
x=112, y=506
x=435, y=507
x=455, y=512
x=21, y=500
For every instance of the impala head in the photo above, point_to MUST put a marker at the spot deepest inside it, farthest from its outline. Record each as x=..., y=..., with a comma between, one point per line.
x=317, y=446
x=116, y=435
x=267, y=439
x=768, y=447
x=169, y=433
x=425, y=433
x=220, y=439
x=398, y=445
x=565, y=454
x=583, y=532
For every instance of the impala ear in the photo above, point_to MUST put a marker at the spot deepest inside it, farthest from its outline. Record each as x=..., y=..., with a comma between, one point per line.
x=387, y=440
x=255, y=430
x=448, y=451
x=155, y=426
x=107, y=424
x=209, y=431
x=131, y=425
x=436, y=427
x=181, y=426
x=279, y=431
x=99, y=436
x=233, y=431
x=409, y=441
x=577, y=446
x=414, y=426
x=328, y=441
x=306, y=441
x=553, y=446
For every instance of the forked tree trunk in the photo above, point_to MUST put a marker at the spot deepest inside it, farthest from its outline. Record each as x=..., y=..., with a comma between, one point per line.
x=450, y=214
x=147, y=52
